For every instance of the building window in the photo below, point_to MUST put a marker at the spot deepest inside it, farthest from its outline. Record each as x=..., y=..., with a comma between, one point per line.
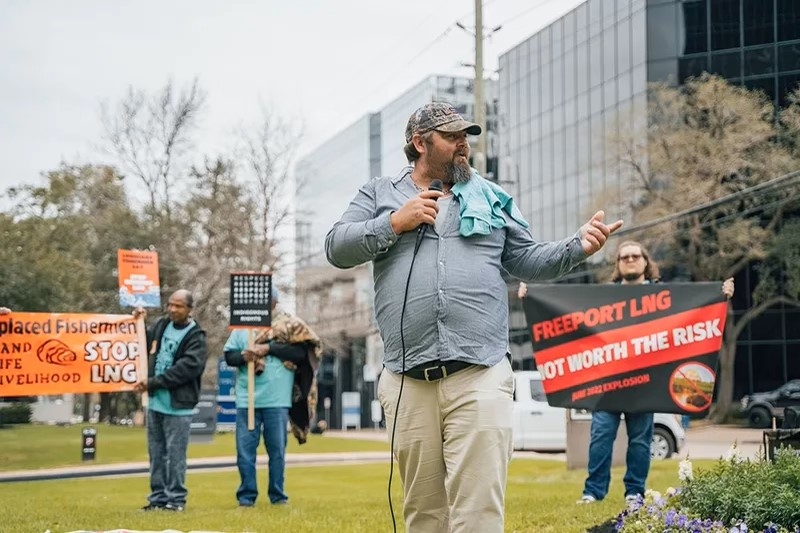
x=759, y=23
x=792, y=318
x=759, y=61
x=692, y=67
x=788, y=20
x=768, y=363
x=788, y=57
x=727, y=65
x=696, y=27
x=786, y=84
x=765, y=85
x=624, y=61
x=725, y=24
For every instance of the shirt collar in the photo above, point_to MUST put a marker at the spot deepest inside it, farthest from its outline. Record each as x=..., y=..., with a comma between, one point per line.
x=406, y=172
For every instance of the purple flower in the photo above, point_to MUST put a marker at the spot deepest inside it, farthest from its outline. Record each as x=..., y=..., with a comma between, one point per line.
x=670, y=519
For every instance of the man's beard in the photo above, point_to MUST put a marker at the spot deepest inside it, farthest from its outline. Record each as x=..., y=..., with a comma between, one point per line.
x=455, y=173
x=632, y=276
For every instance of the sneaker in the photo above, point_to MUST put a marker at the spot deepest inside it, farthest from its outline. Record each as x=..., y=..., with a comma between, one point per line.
x=174, y=507
x=631, y=498
x=281, y=502
x=153, y=507
x=246, y=504
x=586, y=498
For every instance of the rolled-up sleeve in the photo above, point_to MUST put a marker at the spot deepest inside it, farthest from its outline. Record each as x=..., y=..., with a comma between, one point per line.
x=529, y=260
x=360, y=235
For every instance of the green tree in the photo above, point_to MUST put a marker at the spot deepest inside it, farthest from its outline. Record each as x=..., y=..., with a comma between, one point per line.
x=67, y=233
x=61, y=241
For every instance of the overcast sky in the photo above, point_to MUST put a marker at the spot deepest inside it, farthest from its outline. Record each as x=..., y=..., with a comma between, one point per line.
x=322, y=62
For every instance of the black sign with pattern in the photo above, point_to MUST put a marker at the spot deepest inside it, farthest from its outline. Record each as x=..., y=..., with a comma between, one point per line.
x=251, y=300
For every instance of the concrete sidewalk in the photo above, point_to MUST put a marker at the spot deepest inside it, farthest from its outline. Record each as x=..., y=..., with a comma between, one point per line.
x=197, y=465
x=704, y=441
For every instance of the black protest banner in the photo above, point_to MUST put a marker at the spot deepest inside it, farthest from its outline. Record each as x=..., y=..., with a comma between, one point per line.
x=251, y=300
x=631, y=348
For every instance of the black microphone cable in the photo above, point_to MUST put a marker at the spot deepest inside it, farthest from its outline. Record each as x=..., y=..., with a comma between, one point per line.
x=436, y=185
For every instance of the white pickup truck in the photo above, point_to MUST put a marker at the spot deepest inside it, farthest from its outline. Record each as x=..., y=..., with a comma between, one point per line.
x=540, y=427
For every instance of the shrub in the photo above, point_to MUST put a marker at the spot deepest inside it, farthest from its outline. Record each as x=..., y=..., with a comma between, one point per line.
x=735, y=496
x=758, y=492
x=15, y=413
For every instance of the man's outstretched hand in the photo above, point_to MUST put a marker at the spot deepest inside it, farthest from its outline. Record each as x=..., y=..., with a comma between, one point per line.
x=594, y=233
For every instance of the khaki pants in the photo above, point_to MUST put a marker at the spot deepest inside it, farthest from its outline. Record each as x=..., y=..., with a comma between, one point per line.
x=452, y=445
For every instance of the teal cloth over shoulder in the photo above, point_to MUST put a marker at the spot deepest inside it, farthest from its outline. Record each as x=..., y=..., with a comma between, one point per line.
x=481, y=205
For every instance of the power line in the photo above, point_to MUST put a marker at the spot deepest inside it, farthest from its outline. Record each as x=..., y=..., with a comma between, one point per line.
x=774, y=185
x=779, y=182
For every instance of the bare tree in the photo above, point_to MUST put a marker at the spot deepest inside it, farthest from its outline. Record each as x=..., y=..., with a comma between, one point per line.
x=268, y=152
x=219, y=227
x=151, y=134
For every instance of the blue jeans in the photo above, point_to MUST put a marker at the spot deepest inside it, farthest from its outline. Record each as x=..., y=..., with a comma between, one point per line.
x=167, y=440
x=604, y=431
x=272, y=423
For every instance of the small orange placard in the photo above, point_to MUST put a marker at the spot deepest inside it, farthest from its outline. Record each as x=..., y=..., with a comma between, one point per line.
x=138, y=278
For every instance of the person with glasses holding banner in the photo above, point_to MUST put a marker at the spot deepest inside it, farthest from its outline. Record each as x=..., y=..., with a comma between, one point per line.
x=633, y=266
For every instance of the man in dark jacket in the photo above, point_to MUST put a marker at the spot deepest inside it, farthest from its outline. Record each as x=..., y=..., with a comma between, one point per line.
x=177, y=358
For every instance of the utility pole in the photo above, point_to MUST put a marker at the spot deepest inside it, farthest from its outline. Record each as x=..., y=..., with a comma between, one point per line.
x=479, y=160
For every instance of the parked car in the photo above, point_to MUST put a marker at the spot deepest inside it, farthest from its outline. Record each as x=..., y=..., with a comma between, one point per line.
x=538, y=426
x=760, y=407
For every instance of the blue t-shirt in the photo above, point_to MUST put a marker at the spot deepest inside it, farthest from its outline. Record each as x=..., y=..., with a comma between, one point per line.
x=273, y=386
x=170, y=340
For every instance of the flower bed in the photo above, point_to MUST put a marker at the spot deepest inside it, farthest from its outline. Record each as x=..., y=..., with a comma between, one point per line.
x=735, y=496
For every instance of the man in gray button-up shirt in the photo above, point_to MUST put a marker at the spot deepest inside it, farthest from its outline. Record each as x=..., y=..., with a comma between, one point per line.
x=451, y=432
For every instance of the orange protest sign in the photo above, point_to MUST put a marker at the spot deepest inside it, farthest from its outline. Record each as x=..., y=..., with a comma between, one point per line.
x=138, y=278
x=59, y=353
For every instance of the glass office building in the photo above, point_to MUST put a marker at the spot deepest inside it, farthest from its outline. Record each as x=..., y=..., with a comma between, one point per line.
x=565, y=91
x=328, y=178
x=560, y=94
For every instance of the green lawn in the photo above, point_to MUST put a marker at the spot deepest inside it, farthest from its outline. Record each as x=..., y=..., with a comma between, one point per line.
x=30, y=447
x=342, y=499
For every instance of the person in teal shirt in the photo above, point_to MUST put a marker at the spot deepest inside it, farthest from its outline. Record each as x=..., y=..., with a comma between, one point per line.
x=176, y=363
x=275, y=368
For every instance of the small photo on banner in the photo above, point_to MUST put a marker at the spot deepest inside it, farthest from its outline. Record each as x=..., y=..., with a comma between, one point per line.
x=138, y=278
x=251, y=300
x=631, y=348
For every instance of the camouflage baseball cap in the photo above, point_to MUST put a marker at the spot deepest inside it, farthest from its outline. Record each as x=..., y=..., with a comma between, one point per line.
x=439, y=116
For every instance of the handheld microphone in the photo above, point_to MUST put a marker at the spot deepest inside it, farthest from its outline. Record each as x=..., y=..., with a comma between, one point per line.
x=436, y=185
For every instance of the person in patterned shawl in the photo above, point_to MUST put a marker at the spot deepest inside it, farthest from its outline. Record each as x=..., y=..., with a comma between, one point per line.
x=286, y=357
